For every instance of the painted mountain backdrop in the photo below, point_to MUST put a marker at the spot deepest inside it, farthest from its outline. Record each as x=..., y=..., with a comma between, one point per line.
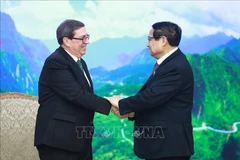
x=21, y=59
x=121, y=66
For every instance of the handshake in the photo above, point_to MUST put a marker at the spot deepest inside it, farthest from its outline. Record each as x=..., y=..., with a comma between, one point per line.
x=115, y=108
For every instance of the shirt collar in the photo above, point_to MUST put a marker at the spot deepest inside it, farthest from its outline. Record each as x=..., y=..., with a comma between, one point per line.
x=160, y=60
x=74, y=57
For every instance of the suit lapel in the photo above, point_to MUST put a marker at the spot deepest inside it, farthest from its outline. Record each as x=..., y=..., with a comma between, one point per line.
x=173, y=55
x=177, y=52
x=87, y=73
x=76, y=70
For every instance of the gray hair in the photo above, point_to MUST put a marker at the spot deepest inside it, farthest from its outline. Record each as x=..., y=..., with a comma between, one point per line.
x=67, y=28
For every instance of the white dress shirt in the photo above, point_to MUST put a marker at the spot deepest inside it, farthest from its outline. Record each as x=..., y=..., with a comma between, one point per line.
x=160, y=60
x=76, y=59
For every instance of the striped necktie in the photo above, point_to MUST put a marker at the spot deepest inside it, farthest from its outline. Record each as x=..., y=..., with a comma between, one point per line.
x=79, y=62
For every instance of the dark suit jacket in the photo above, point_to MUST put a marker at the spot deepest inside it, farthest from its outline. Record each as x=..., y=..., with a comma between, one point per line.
x=162, y=109
x=67, y=104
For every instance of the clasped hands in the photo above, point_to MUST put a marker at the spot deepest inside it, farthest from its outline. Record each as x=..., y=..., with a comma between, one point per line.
x=115, y=108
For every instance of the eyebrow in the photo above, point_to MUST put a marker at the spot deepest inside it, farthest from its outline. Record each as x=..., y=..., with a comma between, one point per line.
x=84, y=35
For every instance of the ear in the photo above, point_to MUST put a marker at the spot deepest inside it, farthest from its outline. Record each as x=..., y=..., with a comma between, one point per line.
x=164, y=40
x=66, y=41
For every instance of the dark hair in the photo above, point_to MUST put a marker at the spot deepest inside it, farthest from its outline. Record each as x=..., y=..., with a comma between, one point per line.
x=168, y=29
x=67, y=28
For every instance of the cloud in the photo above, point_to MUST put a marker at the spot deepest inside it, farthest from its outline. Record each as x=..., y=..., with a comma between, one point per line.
x=209, y=16
x=38, y=19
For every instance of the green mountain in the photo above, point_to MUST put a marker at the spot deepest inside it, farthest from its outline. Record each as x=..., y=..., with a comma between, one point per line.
x=229, y=52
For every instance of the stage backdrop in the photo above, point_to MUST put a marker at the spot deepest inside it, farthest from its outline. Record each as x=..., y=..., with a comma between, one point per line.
x=120, y=63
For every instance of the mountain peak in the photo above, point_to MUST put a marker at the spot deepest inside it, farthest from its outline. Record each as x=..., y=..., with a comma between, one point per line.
x=7, y=23
x=202, y=45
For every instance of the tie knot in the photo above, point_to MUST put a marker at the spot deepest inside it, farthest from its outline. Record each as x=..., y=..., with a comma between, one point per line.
x=79, y=62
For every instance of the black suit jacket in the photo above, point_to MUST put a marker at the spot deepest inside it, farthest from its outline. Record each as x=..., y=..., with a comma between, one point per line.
x=67, y=104
x=162, y=109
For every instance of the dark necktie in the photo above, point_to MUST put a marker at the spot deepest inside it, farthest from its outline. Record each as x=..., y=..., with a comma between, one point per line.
x=79, y=62
x=154, y=68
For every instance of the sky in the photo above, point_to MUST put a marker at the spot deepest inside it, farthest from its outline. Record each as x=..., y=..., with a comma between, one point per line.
x=114, y=19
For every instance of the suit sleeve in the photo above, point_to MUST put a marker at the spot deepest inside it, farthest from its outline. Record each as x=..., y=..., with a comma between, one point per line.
x=60, y=79
x=161, y=88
